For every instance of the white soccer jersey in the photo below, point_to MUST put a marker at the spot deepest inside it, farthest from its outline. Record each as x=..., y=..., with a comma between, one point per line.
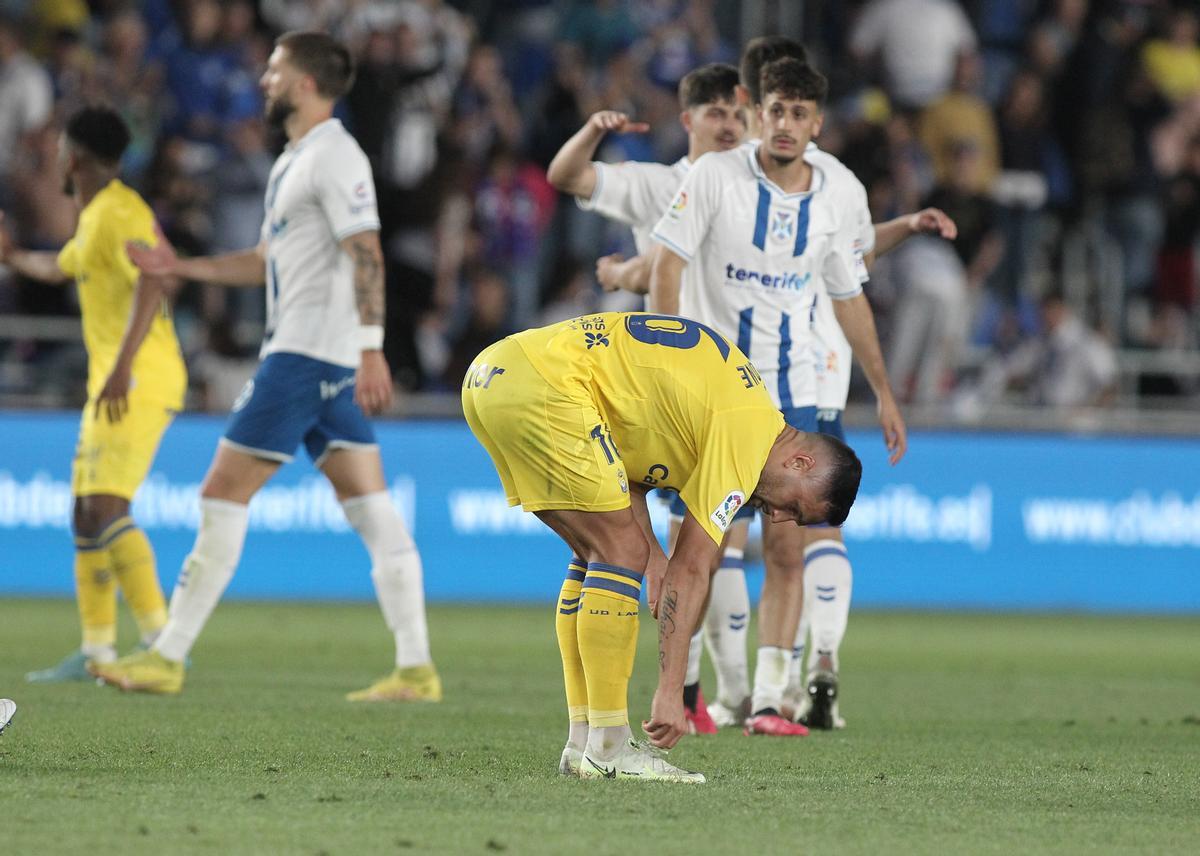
x=635, y=193
x=832, y=355
x=757, y=257
x=319, y=193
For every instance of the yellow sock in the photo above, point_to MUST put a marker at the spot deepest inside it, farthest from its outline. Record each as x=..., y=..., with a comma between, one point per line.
x=132, y=560
x=607, y=632
x=96, y=594
x=565, y=624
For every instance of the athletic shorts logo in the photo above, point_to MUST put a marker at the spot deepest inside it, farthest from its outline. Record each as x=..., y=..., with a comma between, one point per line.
x=723, y=514
x=244, y=396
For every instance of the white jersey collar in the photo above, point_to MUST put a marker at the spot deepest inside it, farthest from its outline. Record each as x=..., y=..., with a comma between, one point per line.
x=315, y=131
x=818, y=179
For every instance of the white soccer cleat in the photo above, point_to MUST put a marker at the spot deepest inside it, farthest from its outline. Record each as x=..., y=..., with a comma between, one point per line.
x=729, y=717
x=638, y=760
x=8, y=709
x=568, y=764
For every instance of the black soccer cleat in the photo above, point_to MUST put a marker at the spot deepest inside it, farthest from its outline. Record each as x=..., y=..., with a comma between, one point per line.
x=822, y=713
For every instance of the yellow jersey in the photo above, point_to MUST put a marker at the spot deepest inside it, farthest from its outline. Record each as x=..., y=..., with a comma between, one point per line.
x=95, y=257
x=685, y=409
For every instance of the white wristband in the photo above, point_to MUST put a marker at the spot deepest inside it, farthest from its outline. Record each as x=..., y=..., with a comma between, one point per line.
x=370, y=337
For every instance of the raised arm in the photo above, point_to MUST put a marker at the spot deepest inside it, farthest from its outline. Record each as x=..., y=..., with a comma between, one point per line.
x=858, y=323
x=571, y=171
x=373, y=381
x=665, y=278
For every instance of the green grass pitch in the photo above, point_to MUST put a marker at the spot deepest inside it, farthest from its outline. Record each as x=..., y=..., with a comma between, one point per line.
x=967, y=734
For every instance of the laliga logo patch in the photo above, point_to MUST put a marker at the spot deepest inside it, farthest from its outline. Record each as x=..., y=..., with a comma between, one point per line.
x=680, y=201
x=360, y=190
x=723, y=514
x=244, y=396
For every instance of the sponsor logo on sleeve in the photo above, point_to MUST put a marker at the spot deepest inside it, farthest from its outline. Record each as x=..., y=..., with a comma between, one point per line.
x=723, y=514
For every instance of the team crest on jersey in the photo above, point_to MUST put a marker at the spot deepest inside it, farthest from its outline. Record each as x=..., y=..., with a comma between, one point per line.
x=783, y=227
x=723, y=514
x=594, y=340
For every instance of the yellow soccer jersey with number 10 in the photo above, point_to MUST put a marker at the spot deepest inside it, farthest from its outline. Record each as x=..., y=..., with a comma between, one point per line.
x=97, y=260
x=685, y=409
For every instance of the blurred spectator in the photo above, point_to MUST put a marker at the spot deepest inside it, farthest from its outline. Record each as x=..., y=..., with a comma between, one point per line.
x=513, y=206
x=917, y=43
x=1177, y=269
x=570, y=293
x=1173, y=63
x=26, y=97
x=1067, y=365
x=487, y=307
x=484, y=110
x=937, y=282
x=960, y=118
x=134, y=86
x=601, y=28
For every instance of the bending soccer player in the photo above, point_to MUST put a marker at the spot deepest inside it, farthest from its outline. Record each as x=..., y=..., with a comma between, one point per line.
x=637, y=193
x=136, y=383
x=322, y=371
x=750, y=236
x=581, y=419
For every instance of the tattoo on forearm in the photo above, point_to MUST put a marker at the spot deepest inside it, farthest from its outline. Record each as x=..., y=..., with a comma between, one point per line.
x=668, y=606
x=368, y=283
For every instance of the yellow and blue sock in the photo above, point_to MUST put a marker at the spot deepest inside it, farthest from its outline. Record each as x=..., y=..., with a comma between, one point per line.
x=132, y=561
x=566, y=620
x=96, y=595
x=607, y=632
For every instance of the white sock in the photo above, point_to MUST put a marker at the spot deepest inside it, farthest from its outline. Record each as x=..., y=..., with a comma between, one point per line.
x=726, y=627
x=205, y=574
x=695, y=649
x=577, y=734
x=396, y=572
x=770, y=678
x=827, y=584
x=606, y=743
x=99, y=653
x=796, y=666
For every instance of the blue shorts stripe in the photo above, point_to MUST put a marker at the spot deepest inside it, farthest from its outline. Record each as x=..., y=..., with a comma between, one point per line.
x=825, y=551
x=632, y=592
x=613, y=569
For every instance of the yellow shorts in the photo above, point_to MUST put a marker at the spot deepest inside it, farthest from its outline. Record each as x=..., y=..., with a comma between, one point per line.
x=113, y=458
x=551, y=449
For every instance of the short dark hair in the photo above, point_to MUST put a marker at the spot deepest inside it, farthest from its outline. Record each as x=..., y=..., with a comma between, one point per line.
x=761, y=52
x=99, y=131
x=323, y=57
x=716, y=81
x=792, y=79
x=845, y=473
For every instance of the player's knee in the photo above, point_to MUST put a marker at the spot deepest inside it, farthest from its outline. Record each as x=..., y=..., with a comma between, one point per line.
x=624, y=549
x=783, y=560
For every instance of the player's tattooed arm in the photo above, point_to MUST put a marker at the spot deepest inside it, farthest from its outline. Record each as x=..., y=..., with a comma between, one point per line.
x=367, y=255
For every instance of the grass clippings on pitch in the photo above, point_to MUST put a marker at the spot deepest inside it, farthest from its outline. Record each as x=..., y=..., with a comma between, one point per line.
x=967, y=734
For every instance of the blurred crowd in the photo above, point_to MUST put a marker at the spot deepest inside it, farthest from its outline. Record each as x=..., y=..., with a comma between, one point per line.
x=1063, y=136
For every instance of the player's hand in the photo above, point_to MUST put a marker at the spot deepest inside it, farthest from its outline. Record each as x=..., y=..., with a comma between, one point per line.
x=113, y=400
x=933, y=221
x=667, y=722
x=159, y=260
x=616, y=122
x=656, y=572
x=895, y=435
x=373, y=383
x=606, y=271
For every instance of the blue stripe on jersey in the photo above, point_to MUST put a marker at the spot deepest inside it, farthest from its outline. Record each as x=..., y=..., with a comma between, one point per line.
x=785, y=362
x=745, y=322
x=802, y=228
x=760, y=219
